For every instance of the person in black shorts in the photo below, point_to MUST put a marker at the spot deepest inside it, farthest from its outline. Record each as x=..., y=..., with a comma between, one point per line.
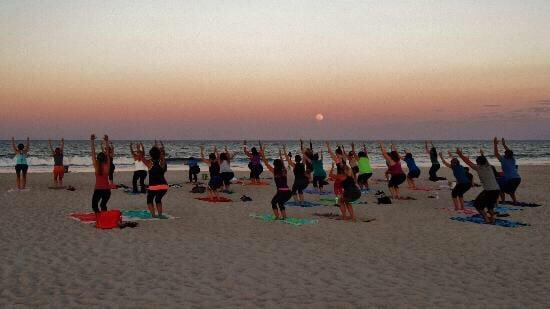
x=283, y=193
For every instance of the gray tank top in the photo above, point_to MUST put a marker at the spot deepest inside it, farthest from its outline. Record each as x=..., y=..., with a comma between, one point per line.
x=58, y=160
x=487, y=177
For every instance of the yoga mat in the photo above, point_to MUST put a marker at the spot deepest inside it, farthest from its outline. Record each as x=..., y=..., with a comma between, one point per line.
x=521, y=204
x=137, y=215
x=313, y=191
x=500, y=208
x=334, y=216
x=290, y=220
x=466, y=211
x=303, y=204
x=127, y=215
x=220, y=199
x=249, y=183
x=500, y=222
x=332, y=201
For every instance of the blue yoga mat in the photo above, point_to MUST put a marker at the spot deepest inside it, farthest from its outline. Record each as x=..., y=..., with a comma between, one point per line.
x=479, y=220
x=314, y=191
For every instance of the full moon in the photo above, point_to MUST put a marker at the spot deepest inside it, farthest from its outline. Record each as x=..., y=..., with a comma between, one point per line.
x=319, y=117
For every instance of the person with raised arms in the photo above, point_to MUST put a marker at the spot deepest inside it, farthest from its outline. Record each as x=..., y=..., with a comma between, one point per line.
x=510, y=170
x=432, y=153
x=283, y=193
x=158, y=186
x=352, y=158
x=340, y=162
x=351, y=194
x=21, y=165
x=140, y=169
x=226, y=172
x=319, y=173
x=395, y=171
x=301, y=180
x=365, y=168
x=255, y=164
x=414, y=171
x=58, y=167
x=487, y=199
x=463, y=180
x=307, y=156
x=102, y=188
x=215, y=181
x=107, y=144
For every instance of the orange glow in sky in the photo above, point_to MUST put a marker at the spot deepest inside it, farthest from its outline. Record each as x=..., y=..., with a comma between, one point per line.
x=240, y=69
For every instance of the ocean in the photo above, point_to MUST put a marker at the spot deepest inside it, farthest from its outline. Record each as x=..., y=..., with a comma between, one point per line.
x=77, y=152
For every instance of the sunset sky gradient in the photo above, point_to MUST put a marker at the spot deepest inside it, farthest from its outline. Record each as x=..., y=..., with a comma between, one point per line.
x=264, y=69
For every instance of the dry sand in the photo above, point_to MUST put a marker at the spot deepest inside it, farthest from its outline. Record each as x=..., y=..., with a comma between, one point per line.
x=214, y=255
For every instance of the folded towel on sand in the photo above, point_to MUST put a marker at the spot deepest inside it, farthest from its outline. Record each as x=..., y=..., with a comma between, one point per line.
x=291, y=220
x=302, y=204
x=500, y=222
x=219, y=199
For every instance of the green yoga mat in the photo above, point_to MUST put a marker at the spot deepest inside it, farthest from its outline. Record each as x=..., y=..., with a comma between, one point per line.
x=141, y=215
x=291, y=220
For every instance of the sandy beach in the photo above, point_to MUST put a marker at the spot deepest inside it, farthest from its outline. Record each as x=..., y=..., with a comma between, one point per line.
x=215, y=255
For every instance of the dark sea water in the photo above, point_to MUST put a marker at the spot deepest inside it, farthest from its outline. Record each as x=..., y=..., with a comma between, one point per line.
x=77, y=153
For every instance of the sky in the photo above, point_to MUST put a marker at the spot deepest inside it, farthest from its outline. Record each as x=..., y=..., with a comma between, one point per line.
x=265, y=69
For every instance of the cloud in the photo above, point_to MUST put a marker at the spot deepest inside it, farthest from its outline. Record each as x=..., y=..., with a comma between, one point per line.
x=492, y=105
x=543, y=102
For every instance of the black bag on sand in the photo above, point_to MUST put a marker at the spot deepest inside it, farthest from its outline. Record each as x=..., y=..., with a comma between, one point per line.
x=382, y=197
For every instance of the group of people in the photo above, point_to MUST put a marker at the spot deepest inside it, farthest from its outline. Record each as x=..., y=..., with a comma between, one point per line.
x=350, y=172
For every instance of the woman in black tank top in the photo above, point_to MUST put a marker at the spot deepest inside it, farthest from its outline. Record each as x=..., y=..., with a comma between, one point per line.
x=216, y=181
x=283, y=193
x=301, y=180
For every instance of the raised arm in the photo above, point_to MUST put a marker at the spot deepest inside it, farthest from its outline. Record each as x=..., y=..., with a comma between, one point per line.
x=331, y=153
x=495, y=148
x=216, y=153
x=13, y=144
x=504, y=144
x=28, y=145
x=288, y=158
x=384, y=152
x=266, y=163
x=246, y=152
x=50, y=145
x=203, y=159
x=62, y=144
x=92, y=145
x=132, y=151
x=393, y=148
x=426, y=147
x=447, y=164
x=466, y=159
